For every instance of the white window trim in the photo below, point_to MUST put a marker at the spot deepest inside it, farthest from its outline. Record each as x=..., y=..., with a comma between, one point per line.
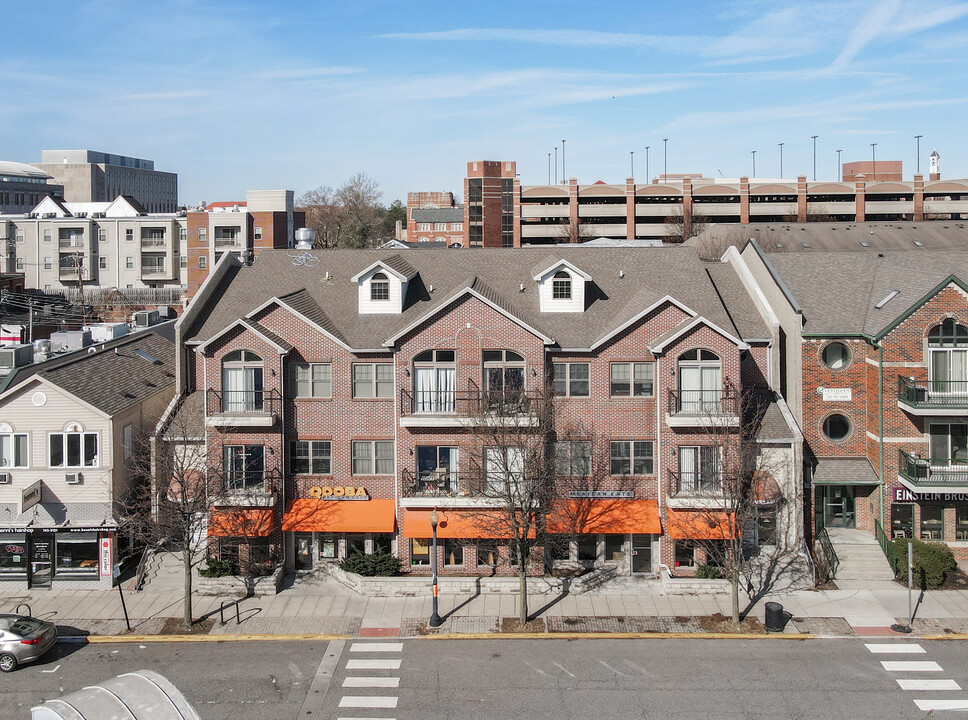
x=310, y=443
x=13, y=439
x=631, y=364
x=82, y=466
x=632, y=458
x=373, y=382
x=372, y=458
x=567, y=366
x=312, y=393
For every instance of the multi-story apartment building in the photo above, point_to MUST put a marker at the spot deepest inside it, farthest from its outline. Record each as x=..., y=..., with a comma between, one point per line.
x=71, y=429
x=434, y=217
x=267, y=219
x=339, y=391
x=23, y=186
x=501, y=212
x=91, y=176
x=873, y=350
x=110, y=244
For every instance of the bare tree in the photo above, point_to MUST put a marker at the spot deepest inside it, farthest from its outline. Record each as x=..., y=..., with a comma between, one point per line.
x=573, y=232
x=349, y=216
x=716, y=239
x=735, y=497
x=686, y=225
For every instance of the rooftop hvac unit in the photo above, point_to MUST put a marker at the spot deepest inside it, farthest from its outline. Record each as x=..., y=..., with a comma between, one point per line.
x=64, y=340
x=80, y=215
x=146, y=318
x=47, y=215
x=97, y=215
x=73, y=478
x=16, y=355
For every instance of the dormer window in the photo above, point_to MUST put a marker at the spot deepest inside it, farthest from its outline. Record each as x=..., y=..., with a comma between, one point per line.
x=561, y=286
x=379, y=287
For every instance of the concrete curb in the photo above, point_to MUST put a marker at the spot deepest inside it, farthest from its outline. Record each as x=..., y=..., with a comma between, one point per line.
x=618, y=636
x=95, y=639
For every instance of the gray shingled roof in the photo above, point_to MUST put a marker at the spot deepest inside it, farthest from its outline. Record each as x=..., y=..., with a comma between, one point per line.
x=448, y=215
x=838, y=292
x=116, y=377
x=611, y=300
x=844, y=471
x=841, y=236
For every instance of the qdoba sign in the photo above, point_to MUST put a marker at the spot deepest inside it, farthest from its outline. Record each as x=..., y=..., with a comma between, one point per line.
x=327, y=492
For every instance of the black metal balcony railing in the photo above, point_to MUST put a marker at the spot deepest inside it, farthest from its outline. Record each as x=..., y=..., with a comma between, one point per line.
x=697, y=403
x=695, y=483
x=933, y=393
x=936, y=472
x=251, y=481
x=437, y=483
x=466, y=403
x=243, y=402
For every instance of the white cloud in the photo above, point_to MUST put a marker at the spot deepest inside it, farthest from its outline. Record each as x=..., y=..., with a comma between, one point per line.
x=302, y=73
x=870, y=26
x=173, y=95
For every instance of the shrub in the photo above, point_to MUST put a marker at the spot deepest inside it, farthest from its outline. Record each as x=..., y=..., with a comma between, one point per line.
x=379, y=564
x=218, y=568
x=932, y=562
x=708, y=572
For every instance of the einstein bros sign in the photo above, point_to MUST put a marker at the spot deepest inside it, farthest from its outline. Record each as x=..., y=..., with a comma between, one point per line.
x=327, y=492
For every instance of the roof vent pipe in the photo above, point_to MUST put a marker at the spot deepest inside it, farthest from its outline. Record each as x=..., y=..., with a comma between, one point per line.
x=305, y=238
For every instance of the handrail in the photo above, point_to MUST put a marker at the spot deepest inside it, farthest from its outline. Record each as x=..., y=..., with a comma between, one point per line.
x=466, y=403
x=139, y=575
x=724, y=401
x=828, y=549
x=886, y=545
x=695, y=483
x=242, y=402
x=945, y=393
x=938, y=470
x=446, y=484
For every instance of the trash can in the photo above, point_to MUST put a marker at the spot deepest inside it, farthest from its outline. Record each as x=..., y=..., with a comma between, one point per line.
x=774, y=617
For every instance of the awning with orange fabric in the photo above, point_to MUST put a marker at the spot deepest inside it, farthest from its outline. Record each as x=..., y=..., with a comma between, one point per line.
x=455, y=525
x=311, y=515
x=698, y=524
x=618, y=516
x=248, y=522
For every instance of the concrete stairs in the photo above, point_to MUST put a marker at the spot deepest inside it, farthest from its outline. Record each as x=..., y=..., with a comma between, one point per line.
x=861, y=558
x=164, y=572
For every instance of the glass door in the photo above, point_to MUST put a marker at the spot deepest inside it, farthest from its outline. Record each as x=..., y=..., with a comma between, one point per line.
x=304, y=551
x=838, y=506
x=41, y=559
x=642, y=553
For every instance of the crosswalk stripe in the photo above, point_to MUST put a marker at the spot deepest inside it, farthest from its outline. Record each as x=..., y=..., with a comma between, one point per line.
x=376, y=647
x=927, y=705
x=890, y=648
x=378, y=664
x=357, y=701
x=376, y=682
x=911, y=666
x=928, y=684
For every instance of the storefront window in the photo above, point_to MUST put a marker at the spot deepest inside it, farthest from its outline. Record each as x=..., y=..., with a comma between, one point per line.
x=355, y=544
x=587, y=548
x=259, y=552
x=961, y=523
x=13, y=553
x=766, y=526
x=420, y=551
x=902, y=520
x=932, y=522
x=383, y=542
x=487, y=553
x=327, y=547
x=685, y=553
x=453, y=552
x=614, y=548
x=77, y=553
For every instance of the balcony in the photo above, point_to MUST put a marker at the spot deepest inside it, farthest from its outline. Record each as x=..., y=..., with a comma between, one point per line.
x=233, y=241
x=932, y=475
x=249, y=488
x=695, y=489
x=932, y=397
x=70, y=243
x=459, y=408
x=242, y=408
x=153, y=242
x=157, y=271
x=702, y=408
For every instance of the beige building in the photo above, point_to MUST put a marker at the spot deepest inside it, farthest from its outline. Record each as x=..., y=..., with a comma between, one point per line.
x=70, y=431
x=90, y=176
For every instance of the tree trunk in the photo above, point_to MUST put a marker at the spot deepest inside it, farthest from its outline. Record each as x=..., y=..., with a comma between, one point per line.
x=523, y=585
x=187, y=555
x=734, y=588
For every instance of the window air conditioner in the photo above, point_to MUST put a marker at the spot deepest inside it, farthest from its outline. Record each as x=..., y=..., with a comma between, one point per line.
x=4, y=478
x=73, y=478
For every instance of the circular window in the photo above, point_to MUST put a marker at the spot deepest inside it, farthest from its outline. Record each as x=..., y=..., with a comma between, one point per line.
x=39, y=399
x=836, y=356
x=836, y=427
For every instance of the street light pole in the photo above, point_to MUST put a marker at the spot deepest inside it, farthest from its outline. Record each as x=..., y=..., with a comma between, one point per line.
x=918, y=153
x=753, y=153
x=781, y=159
x=873, y=162
x=632, y=163
x=556, y=164
x=814, y=156
x=563, y=176
x=840, y=168
x=647, y=163
x=435, y=620
x=665, y=159
x=549, y=168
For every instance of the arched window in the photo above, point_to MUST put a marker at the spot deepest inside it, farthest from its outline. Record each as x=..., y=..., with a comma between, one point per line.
x=561, y=286
x=242, y=382
x=948, y=346
x=379, y=287
x=503, y=378
x=435, y=381
x=700, y=382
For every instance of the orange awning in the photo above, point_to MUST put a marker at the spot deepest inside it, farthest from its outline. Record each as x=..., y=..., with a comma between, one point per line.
x=618, y=516
x=698, y=524
x=239, y=522
x=454, y=525
x=311, y=515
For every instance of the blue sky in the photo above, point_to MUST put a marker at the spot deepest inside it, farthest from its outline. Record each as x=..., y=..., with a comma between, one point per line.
x=257, y=95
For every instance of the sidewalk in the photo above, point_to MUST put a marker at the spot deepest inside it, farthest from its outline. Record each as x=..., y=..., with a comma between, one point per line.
x=325, y=607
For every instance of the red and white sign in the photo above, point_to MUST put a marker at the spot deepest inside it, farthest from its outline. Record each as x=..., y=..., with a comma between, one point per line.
x=106, y=556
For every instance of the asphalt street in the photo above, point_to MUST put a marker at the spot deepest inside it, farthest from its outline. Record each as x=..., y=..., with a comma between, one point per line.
x=559, y=679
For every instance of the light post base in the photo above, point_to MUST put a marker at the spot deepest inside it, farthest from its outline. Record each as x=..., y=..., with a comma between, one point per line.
x=435, y=620
x=901, y=628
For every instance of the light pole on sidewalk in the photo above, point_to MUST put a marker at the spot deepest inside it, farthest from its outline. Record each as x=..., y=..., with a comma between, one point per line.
x=435, y=620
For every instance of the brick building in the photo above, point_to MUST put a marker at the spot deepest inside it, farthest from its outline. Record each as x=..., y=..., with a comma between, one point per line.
x=874, y=349
x=340, y=393
x=434, y=217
